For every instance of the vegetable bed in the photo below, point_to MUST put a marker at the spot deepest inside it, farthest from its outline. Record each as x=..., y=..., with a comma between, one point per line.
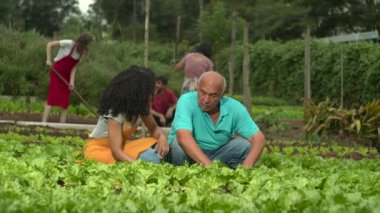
x=38, y=173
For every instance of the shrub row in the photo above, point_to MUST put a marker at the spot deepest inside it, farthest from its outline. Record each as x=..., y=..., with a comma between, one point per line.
x=276, y=68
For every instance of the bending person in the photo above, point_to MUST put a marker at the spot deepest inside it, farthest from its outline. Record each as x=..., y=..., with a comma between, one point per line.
x=208, y=126
x=124, y=100
x=194, y=65
x=69, y=54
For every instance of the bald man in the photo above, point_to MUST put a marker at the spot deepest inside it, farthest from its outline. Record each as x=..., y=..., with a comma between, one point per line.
x=208, y=126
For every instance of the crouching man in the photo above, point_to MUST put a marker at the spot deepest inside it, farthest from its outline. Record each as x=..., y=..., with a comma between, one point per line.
x=208, y=126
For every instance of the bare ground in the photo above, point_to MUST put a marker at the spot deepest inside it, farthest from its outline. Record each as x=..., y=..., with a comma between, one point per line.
x=289, y=133
x=37, y=117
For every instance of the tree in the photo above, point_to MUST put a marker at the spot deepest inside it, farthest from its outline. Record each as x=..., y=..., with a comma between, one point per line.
x=7, y=8
x=216, y=26
x=246, y=71
x=275, y=19
x=43, y=16
x=120, y=14
x=232, y=61
x=164, y=18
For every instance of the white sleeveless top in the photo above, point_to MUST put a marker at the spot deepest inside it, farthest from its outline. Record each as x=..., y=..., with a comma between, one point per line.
x=64, y=50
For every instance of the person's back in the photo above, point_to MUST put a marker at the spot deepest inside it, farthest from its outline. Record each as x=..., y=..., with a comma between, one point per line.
x=195, y=64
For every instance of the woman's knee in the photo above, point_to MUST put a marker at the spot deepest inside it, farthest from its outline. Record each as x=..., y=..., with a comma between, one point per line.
x=149, y=155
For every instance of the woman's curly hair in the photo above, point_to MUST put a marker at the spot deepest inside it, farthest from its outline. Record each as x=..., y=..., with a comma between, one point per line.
x=128, y=93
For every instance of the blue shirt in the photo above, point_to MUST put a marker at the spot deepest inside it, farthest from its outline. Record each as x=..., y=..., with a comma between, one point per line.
x=233, y=119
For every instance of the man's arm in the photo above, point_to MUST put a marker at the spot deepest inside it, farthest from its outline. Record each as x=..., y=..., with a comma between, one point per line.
x=258, y=143
x=173, y=104
x=169, y=112
x=157, y=114
x=191, y=148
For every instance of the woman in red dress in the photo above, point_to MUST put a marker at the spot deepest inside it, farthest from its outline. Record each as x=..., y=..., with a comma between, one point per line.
x=68, y=56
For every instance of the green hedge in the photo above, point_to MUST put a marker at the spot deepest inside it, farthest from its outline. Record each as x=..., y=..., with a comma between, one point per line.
x=277, y=70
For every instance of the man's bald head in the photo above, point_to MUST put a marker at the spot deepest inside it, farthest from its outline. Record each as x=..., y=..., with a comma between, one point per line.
x=211, y=86
x=213, y=77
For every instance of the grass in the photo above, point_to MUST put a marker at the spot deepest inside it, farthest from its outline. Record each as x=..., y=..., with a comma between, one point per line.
x=19, y=106
x=279, y=112
x=274, y=108
x=267, y=107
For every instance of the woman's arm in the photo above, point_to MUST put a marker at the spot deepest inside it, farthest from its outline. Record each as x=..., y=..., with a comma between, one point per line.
x=181, y=64
x=162, y=146
x=72, y=77
x=115, y=131
x=49, y=46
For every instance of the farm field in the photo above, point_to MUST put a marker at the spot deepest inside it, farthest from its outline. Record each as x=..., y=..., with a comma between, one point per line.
x=39, y=174
x=308, y=74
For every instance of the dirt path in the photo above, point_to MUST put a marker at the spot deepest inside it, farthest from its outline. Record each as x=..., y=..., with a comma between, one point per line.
x=53, y=118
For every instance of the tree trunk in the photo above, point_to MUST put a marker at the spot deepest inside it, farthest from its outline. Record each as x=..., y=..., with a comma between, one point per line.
x=341, y=79
x=134, y=21
x=146, y=48
x=97, y=20
x=231, y=65
x=27, y=103
x=177, y=37
x=146, y=37
x=246, y=87
x=307, y=88
x=201, y=4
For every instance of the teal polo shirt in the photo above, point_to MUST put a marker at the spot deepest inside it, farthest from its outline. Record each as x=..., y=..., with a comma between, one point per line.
x=234, y=120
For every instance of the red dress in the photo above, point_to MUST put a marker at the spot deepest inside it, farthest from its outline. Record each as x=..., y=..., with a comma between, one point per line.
x=59, y=92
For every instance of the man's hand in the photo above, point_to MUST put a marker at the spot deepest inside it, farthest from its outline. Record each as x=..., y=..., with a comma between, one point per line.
x=162, y=120
x=169, y=114
x=191, y=148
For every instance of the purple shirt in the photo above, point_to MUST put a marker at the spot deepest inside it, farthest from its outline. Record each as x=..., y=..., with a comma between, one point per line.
x=195, y=64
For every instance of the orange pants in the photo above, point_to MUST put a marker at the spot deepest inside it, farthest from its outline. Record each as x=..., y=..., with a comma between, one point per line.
x=98, y=149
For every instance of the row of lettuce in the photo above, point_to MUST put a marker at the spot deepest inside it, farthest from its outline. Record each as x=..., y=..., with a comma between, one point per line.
x=39, y=174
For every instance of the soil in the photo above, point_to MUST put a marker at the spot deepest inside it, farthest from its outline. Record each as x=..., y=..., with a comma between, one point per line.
x=36, y=117
x=287, y=133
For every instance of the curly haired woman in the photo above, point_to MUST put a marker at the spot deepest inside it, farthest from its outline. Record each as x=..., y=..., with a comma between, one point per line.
x=124, y=100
